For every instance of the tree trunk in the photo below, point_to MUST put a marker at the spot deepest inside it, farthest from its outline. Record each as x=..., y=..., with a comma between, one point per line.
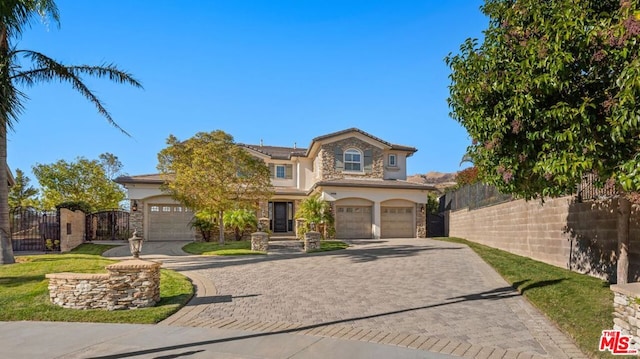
x=221, y=234
x=624, y=213
x=6, y=250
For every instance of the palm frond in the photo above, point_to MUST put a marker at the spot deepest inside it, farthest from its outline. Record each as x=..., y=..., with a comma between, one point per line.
x=16, y=14
x=47, y=69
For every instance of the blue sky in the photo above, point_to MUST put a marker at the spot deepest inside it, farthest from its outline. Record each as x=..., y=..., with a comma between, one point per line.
x=280, y=71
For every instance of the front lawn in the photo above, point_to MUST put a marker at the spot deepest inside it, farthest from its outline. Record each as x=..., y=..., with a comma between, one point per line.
x=229, y=248
x=326, y=246
x=24, y=294
x=580, y=305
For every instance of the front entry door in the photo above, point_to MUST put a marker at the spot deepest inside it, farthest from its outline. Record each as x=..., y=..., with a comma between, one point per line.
x=279, y=216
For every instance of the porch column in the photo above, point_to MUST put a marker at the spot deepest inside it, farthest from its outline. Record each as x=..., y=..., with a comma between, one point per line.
x=376, y=220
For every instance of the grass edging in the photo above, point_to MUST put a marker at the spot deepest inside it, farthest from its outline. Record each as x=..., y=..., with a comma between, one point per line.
x=580, y=305
x=24, y=293
x=229, y=248
x=331, y=245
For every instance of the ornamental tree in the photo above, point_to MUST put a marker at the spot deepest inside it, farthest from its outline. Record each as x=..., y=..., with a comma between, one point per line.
x=210, y=173
x=81, y=180
x=22, y=194
x=551, y=95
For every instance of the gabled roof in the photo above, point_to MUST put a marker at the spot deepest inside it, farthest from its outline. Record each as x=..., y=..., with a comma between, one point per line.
x=10, y=178
x=357, y=130
x=275, y=152
x=148, y=178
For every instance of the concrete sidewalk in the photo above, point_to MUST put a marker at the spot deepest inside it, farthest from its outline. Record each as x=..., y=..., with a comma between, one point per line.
x=43, y=340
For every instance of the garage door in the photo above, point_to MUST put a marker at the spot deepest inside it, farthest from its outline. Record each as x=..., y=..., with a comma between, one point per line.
x=353, y=222
x=396, y=222
x=169, y=222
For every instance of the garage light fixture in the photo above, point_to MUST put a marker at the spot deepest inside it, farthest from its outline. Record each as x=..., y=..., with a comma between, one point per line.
x=134, y=207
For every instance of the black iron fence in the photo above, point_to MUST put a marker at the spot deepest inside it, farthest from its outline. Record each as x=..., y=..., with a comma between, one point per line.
x=110, y=225
x=591, y=189
x=472, y=196
x=34, y=230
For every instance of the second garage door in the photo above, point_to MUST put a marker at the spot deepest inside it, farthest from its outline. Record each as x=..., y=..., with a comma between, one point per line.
x=396, y=222
x=169, y=222
x=353, y=222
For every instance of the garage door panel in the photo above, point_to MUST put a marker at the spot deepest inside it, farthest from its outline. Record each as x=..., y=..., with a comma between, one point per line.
x=169, y=222
x=397, y=222
x=353, y=222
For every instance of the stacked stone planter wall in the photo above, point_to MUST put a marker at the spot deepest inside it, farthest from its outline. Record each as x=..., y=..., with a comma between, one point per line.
x=626, y=314
x=311, y=241
x=128, y=285
x=260, y=241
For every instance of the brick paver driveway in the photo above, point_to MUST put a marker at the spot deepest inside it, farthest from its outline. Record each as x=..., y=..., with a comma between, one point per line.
x=418, y=293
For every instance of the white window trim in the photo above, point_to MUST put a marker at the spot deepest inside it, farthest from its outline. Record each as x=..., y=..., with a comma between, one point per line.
x=395, y=160
x=344, y=160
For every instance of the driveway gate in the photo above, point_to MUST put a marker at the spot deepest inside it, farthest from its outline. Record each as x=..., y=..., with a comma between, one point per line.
x=33, y=230
x=109, y=225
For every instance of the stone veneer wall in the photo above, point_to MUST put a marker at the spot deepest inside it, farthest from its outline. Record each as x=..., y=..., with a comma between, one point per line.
x=562, y=232
x=626, y=314
x=127, y=285
x=72, y=229
x=136, y=219
x=421, y=220
x=329, y=162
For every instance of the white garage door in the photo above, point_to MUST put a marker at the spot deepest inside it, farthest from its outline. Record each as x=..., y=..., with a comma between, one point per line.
x=169, y=222
x=396, y=222
x=353, y=222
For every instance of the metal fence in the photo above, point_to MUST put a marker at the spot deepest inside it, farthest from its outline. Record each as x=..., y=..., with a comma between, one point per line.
x=110, y=224
x=473, y=196
x=33, y=230
x=591, y=189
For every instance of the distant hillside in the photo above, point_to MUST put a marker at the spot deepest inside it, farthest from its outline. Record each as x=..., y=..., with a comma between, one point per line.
x=439, y=179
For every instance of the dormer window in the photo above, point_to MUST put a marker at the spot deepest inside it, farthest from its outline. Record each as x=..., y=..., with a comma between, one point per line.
x=393, y=161
x=353, y=160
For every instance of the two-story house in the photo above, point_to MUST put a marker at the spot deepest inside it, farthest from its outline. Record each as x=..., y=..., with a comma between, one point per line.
x=362, y=176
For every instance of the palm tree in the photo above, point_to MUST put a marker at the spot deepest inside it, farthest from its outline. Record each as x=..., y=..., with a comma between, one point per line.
x=240, y=220
x=14, y=16
x=315, y=211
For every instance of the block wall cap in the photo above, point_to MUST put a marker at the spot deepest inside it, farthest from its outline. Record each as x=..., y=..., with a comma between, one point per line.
x=134, y=264
x=628, y=289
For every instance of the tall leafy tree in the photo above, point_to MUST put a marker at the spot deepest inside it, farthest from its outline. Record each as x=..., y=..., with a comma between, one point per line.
x=27, y=68
x=551, y=95
x=82, y=180
x=210, y=173
x=22, y=194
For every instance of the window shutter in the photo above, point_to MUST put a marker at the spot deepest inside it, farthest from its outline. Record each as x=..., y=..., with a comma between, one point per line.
x=272, y=170
x=339, y=159
x=368, y=161
x=288, y=170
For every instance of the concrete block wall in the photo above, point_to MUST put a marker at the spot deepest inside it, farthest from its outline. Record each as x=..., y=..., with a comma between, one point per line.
x=72, y=229
x=560, y=231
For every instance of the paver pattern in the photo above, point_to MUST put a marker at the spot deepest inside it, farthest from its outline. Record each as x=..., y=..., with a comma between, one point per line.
x=416, y=293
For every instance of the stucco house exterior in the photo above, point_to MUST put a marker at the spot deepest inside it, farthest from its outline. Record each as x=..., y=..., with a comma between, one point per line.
x=362, y=176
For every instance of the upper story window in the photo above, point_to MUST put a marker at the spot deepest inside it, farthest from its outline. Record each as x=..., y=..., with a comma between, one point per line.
x=353, y=160
x=281, y=171
x=393, y=161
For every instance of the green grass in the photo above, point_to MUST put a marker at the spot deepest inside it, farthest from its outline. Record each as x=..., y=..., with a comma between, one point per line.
x=326, y=246
x=580, y=305
x=229, y=248
x=24, y=294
